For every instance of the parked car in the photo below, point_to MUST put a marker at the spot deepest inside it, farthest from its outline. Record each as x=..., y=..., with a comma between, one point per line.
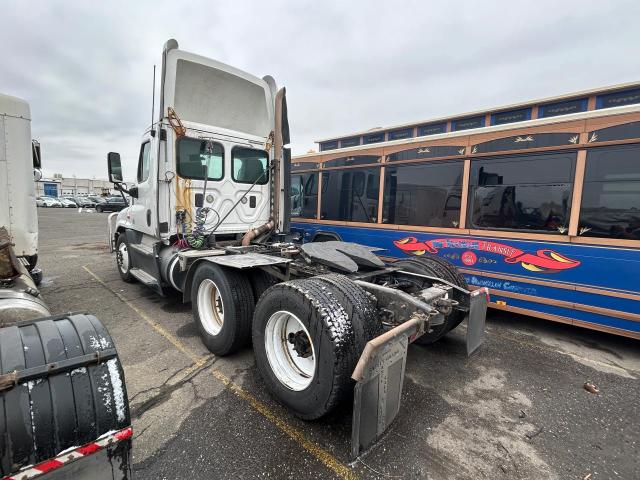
x=39, y=202
x=51, y=202
x=67, y=202
x=97, y=199
x=111, y=204
x=84, y=202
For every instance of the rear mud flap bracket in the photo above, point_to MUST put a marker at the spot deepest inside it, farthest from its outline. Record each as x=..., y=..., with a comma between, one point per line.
x=377, y=394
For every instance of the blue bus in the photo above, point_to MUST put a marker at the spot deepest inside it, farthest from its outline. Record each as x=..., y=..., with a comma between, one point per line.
x=539, y=202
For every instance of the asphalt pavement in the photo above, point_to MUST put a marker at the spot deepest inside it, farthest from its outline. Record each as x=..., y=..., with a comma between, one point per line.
x=517, y=409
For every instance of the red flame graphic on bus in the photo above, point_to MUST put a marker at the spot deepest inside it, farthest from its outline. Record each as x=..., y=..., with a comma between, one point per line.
x=543, y=261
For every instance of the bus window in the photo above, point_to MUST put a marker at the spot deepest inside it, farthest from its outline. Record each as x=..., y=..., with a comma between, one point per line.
x=523, y=192
x=425, y=194
x=611, y=193
x=350, y=195
x=296, y=195
x=304, y=195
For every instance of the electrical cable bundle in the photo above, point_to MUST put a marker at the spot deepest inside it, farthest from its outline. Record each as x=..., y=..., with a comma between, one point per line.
x=195, y=238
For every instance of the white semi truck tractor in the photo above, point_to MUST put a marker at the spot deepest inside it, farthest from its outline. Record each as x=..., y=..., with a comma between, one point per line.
x=210, y=218
x=64, y=411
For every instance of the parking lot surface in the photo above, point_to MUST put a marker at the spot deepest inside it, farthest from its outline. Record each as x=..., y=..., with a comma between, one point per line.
x=516, y=409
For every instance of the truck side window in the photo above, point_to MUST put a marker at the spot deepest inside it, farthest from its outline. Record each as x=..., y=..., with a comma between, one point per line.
x=249, y=165
x=144, y=162
x=196, y=156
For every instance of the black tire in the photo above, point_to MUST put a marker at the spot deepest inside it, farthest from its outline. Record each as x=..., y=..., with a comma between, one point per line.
x=74, y=405
x=36, y=276
x=125, y=272
x=360, y=307
x=325, y=237
x=32, y=261
x=435, y=266
x=99, y=209
x=237, y=299
x=313, y=303
x=260, y=282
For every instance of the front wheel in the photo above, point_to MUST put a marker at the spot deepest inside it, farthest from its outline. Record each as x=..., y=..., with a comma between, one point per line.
x=123, y=259
x=304, y=346
x=222, y=303
x=99, y=209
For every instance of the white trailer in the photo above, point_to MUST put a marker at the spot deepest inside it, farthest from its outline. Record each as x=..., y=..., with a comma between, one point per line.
x=19, y=156
x=210, y=218
x=17, y=188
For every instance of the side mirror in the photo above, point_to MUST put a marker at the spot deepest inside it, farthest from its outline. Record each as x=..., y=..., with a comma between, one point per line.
x=37, y=159
x=115, y=167
x=133, y=191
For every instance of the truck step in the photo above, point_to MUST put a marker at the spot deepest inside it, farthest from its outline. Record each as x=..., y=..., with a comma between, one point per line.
x=145, y=278
x=142, y=249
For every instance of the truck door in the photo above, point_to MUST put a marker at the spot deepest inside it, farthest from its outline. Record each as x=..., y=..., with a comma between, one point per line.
x=143, y=210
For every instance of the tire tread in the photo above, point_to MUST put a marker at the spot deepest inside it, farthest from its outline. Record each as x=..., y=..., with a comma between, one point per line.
x=243, y=301
x=327, y=319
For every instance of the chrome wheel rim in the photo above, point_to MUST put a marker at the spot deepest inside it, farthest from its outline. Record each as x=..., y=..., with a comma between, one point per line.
x=123, y=258
x=210, y=307
x=290, y=350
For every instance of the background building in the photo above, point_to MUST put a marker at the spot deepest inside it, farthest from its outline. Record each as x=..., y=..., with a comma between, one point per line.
x=59, y=186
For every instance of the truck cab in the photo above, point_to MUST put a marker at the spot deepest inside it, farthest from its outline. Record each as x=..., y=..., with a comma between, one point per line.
x=210, y=146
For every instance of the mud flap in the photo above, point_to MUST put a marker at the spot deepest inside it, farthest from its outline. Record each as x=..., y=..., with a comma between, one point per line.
x=376, y=399
x=379, y=374
x=476, y=319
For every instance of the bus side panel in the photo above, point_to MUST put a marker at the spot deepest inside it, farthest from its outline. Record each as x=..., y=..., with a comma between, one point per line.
x=580, y=300
x=592, y=318
x=485, y=261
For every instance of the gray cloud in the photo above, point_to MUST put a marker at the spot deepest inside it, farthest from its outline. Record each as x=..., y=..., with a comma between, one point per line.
x=86, y=67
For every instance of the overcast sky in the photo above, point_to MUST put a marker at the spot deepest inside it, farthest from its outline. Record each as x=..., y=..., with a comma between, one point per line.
x=86, y=67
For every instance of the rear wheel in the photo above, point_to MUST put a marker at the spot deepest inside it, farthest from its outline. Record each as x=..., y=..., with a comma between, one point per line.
x=123, y=259
x=99, y=208
x=435, y=266
x=304, y=346
x=260, y=282
x=360, y=307
x=325, y=237
x=222, y=303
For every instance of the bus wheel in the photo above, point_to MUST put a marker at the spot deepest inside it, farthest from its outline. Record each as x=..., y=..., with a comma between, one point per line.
x=435, y=266
x=123, y=259
x=304, y=346
x=222, y=303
